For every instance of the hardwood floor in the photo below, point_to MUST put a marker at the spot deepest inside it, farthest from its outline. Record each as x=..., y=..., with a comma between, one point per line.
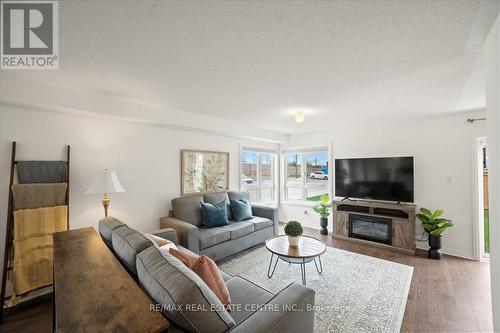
x=30, y=317
x=451, y=295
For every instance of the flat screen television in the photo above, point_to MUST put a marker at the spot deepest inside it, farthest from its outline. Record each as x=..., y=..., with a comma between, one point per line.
x=385, y=178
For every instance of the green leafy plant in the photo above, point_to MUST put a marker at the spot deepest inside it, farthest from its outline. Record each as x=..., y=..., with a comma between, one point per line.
x=324, y=206
x=432, y=222
x=294, y=229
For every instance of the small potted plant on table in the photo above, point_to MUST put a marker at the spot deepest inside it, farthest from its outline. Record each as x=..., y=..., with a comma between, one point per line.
x=323, y=210
x=434, y=225
x=293, y=230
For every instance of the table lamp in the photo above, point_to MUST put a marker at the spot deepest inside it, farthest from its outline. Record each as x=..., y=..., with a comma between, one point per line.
x=105, y=182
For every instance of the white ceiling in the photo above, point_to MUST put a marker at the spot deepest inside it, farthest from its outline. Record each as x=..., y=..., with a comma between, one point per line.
x=257, y=62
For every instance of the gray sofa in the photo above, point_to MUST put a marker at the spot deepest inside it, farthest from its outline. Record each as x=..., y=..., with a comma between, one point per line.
x=187, y=302
x=219, y=242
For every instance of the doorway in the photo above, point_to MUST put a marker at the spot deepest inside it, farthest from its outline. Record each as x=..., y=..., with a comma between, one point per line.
x=483, y=200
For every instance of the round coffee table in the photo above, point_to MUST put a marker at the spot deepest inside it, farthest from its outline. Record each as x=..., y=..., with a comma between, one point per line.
x=308, y=250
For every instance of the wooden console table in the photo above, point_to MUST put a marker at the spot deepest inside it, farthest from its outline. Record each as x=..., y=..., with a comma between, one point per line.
x=401, y=217
x=93, y=292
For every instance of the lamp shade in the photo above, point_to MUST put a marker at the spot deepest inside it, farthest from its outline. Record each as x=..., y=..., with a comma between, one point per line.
x=105, y=182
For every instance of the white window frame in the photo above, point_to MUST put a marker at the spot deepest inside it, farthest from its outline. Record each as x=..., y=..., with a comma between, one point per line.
x=258, y=186
x=303, y=184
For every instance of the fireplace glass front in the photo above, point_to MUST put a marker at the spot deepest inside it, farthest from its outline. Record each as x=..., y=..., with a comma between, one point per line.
x=375, y=229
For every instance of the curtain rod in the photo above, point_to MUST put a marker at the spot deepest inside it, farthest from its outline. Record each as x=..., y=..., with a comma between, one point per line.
x=472, y=120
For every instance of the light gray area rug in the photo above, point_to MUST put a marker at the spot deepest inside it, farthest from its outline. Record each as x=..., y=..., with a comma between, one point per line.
x=355, y=293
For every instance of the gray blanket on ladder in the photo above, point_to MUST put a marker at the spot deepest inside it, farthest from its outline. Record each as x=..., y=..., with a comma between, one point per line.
x=41, y=172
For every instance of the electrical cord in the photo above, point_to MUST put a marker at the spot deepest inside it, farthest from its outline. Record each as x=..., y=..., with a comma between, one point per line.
x=422, y=238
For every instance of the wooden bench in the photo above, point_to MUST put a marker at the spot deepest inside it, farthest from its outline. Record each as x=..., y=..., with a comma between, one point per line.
x=93, y=292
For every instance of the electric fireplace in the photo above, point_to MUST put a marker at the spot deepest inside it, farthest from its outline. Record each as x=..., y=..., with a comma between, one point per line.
x=371, y=228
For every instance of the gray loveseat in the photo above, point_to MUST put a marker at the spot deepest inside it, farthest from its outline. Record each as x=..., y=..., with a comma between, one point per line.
x=219, y=242
x=188, y=303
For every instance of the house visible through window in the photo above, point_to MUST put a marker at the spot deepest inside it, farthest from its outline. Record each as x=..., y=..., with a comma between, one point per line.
x=307, y=175
x=258, y=175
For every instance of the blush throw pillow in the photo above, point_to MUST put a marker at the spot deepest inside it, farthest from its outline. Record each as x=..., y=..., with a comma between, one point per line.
x=187, y=259
x=207, y=270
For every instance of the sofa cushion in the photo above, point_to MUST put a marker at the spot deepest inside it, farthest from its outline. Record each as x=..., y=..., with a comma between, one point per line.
x=213, y=236
x=127, y=243
x=238, y=229
x=168, y=281
x=106, y=227
x=260, y=222
x=188, y=209
x=245, y=297
x=225, y=276
x=214, y=215
x=241, y=209
x=214, y=198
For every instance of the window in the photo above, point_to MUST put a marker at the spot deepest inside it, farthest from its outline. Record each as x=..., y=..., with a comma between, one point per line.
x=307, y=177
x=294, y=176
x=258, y=175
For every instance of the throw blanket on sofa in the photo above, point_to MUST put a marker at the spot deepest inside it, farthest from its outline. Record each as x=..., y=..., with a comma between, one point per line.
x=33, y=247
x=28, y=196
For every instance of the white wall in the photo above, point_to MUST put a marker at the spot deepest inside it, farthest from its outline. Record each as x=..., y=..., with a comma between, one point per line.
x=443, y=149
x=492, y=59
x=145, y=157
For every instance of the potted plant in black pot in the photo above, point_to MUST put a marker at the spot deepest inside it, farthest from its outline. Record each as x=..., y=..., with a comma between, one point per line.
x=434, y=224
x=323, y=209
x=293, y=230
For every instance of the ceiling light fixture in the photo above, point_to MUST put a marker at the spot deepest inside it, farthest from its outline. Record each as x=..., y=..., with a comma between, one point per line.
x=300, y=117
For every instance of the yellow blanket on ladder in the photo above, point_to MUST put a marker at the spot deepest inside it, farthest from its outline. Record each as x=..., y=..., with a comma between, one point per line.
x=33, y=247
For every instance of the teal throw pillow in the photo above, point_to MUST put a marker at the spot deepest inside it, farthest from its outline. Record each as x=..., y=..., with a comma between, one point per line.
x=241, y=209
x=214, y=215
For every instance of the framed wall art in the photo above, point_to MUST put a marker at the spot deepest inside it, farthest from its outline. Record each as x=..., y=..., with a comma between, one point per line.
x=204, y=171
